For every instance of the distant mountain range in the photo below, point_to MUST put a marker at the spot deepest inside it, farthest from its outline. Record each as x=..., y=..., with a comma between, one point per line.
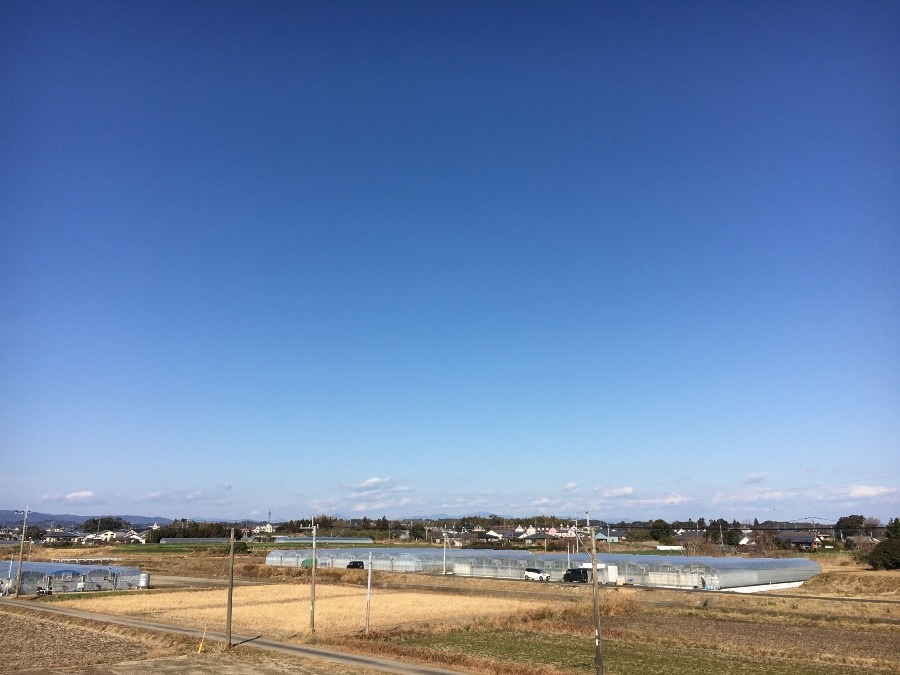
x=44, y=520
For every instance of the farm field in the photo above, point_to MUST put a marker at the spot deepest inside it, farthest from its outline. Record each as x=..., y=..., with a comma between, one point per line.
x=844, y=621
x=47, y=644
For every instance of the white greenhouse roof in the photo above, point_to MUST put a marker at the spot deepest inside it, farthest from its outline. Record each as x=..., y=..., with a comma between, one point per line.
x=650, y=570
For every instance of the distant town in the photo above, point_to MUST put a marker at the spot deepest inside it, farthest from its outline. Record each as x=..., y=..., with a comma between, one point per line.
x=548, y=533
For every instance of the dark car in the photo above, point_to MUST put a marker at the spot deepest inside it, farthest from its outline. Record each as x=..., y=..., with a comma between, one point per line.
x=355, y=565
x=579, y=575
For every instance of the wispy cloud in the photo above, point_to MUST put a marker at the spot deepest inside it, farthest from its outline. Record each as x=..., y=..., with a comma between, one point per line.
x=374, y=496
x=756, y=478
x=543, y=501
x=570, y=487
x=623, y=491
x=82, y=497
x=668, y=500
x=864, y=491
x=371, y=484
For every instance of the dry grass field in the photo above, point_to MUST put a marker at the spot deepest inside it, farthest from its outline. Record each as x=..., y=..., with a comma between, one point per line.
x=37, y=643
x=846, y=620
x=283, y=610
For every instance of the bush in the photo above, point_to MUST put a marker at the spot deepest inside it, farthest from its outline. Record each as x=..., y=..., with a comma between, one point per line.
x=639, y=535
x=886, y=555
x=239, y=547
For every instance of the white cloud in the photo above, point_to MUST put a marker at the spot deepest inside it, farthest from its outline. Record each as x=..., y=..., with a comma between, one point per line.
x=863, y=491
x=79, y=497
x=374, y=483
x=765, y=497
x=571, y=487
x=623, y=491
x=670, y=500
x=543, y=501
x=756, y=478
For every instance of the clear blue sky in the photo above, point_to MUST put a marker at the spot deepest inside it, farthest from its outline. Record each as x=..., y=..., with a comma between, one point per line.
x=403, y=258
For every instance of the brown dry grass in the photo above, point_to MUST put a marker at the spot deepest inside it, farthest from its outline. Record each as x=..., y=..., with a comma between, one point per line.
x=850, y=583
x=282, y=610
x=37, y=640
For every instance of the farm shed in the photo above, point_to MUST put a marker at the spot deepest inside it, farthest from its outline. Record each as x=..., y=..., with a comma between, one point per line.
x=64, y=577
x=725, y=573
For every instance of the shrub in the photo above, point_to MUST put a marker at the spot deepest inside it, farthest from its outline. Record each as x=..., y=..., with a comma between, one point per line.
x=239, y=547
x=886, y=555
x=639, y=535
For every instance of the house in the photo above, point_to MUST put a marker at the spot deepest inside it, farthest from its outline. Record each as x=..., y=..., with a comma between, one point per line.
x=611, y=537
x=805, y=541
x=60, y=537
x=132, y=537
x=268, y=528
x=537, y=538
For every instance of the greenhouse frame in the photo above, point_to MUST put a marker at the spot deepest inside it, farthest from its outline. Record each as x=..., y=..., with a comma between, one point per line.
x=64, y=577
x=670, y=571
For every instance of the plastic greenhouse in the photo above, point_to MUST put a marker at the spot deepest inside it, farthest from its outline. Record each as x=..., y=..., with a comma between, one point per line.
x=63, y=577
x=733, y=574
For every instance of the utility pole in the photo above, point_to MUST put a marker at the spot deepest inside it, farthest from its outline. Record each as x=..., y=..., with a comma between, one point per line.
x=21, y=550
x=598, y=647
x=230, y=592
x=369, y=593
x=312, y=591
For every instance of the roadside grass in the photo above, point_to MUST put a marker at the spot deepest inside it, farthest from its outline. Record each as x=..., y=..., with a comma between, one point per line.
x=568, y=653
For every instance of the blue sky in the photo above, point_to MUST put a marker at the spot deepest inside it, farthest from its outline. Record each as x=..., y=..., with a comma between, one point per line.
x=637, y=259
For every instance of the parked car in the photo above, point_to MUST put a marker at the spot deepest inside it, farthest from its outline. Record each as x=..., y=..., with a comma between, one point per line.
x=356, y=565
x=580, y=575
x=534, y=574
